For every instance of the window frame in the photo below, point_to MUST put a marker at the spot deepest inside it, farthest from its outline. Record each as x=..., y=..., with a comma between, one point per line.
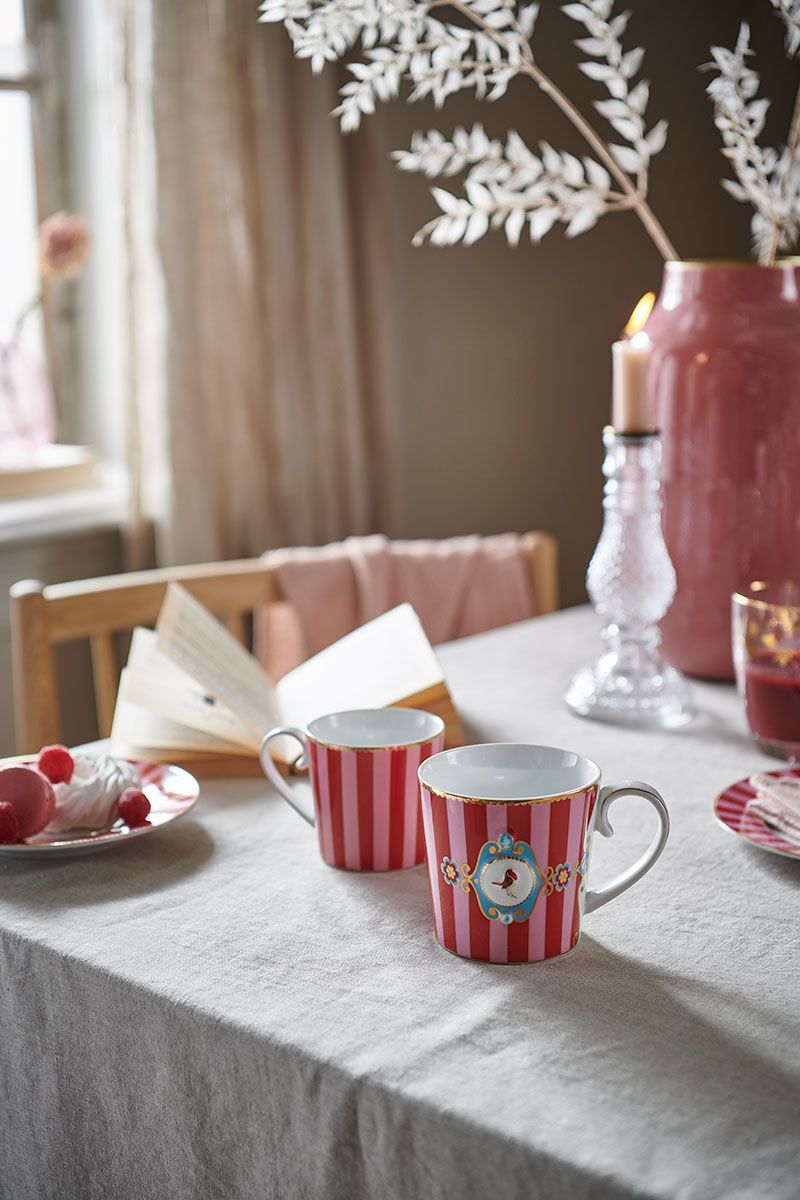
x=41, y=77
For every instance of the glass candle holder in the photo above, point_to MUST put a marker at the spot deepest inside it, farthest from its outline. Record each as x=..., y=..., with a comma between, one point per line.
x=766, y=655
x=631, y=583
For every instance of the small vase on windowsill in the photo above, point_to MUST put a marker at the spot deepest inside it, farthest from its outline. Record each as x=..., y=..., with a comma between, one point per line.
x=27, y=417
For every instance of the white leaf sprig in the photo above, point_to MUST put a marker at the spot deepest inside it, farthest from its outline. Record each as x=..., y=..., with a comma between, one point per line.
x=789, y=11
x=627, y=103
x=401, y=40
x=509, y=186
x=516, y=187
x=766, y=178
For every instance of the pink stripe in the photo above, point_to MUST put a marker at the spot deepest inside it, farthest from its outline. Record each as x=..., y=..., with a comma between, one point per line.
x=324, y=806
x=433, y=863
x=352, y=850
x=732, y=806
x=381, y=788
x=413, y=758
x=576, y=817
x=497, y=823
x=540, y=841
x=458, y=853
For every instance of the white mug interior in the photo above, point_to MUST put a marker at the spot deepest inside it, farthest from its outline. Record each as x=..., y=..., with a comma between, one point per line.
x=376, y=728
x=503, y=772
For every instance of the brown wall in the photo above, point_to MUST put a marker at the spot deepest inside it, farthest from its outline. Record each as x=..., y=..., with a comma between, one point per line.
x=504, y=369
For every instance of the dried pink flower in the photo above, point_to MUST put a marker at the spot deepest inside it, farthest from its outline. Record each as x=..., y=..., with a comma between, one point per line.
x=64, y=241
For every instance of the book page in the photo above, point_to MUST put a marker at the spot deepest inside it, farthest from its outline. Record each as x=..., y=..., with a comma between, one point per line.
x=154, y=683
x=137, y=730
x=379, y=664
x=195, y=641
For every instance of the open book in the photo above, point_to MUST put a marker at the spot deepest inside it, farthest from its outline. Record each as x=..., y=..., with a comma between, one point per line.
x=192, y=694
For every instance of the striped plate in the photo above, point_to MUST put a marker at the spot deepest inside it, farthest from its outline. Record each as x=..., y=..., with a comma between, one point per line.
x=730, y=809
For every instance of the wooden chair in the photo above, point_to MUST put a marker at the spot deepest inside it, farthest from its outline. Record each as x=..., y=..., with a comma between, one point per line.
x=97, y=610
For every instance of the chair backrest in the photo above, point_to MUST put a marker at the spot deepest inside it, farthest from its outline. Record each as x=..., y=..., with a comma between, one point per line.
x=97, y=610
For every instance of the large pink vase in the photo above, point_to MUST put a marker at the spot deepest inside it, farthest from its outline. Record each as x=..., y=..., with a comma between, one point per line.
x=725, y=374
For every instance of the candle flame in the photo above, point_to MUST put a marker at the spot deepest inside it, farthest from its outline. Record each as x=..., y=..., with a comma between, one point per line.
x=639, y=317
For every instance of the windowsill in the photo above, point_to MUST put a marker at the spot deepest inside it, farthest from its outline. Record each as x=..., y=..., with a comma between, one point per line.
x=60, y=514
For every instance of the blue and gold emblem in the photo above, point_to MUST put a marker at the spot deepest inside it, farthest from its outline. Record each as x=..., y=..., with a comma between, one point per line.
x=506, y=880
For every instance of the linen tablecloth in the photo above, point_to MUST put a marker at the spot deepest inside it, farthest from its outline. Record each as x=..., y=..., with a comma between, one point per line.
x=212, y=1012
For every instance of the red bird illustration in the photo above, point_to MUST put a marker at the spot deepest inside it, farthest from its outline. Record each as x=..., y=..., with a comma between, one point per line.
x=506, y=882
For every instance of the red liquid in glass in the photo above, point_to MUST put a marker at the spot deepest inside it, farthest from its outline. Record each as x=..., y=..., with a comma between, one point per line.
x=772, y=699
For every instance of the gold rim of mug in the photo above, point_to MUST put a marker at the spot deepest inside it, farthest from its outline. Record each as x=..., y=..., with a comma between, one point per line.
x=375, y=749
x=482, y=800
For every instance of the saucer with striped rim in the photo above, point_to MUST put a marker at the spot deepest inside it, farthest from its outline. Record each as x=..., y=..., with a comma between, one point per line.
x=730, y=809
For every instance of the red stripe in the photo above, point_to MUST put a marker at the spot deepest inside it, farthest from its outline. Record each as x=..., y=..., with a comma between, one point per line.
x=475, y=827
x=335, y=795
x=519, y=827
x=366, y=801
x=557, y=854
x=397, y=808
x=441, y=836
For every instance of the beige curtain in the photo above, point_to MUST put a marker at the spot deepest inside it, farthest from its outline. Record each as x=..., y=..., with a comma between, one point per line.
x=258, y=367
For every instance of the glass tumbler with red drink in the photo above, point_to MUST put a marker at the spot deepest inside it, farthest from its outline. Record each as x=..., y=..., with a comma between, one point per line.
x=766, y=652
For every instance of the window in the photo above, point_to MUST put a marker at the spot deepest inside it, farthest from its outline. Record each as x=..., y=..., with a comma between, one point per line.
x=18, y=195
x=54, y=133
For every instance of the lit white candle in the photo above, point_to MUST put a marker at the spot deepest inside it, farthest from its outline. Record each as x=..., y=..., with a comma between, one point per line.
x=630, y=405
x=631, y=411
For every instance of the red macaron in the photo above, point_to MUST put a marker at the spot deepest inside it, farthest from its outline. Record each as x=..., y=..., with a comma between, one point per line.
x=30, y=795
x=9, y=825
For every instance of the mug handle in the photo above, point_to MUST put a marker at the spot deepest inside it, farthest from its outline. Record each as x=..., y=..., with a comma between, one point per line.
x=273, y=774
x=599, y=897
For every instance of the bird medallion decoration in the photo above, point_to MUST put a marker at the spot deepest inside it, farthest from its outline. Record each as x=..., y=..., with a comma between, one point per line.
x=507, y=880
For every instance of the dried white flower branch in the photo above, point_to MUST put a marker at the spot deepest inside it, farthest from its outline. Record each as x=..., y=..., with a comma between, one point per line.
x=626, y=107
x=402, y=41
x=509, y=186
x=789, y=11
x=766, y=178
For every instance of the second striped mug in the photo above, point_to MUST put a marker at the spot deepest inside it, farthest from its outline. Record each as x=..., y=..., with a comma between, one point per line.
x=508, y=829
x=363, y=767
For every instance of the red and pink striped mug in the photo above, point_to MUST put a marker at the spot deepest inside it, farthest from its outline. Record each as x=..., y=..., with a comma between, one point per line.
x=508, y=830
x=363, y=767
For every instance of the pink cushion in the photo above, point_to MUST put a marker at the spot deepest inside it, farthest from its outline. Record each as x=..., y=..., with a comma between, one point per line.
x=459, y=587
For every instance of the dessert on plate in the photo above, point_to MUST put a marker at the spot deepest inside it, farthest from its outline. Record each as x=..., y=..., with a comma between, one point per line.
x=88, y=798
x=61, y=793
